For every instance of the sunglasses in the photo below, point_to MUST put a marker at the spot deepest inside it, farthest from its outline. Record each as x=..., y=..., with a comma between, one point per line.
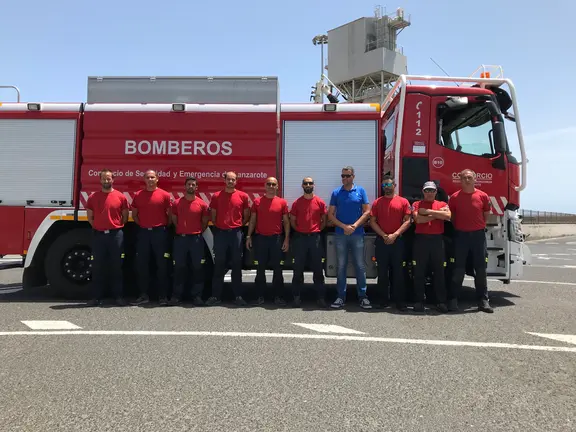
x=429, y=190
x=345, y=175
x=307, y=183
x=387, y=184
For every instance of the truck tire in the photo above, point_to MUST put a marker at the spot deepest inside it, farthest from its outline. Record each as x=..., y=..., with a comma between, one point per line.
x=68, y=264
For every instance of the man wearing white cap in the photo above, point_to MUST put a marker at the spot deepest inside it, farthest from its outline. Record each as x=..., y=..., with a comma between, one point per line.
x=429, y=215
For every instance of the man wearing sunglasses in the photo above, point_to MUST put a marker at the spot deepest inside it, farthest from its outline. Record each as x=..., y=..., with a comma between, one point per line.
x=390, y=218
x=349, y=210
x=308, y=219
x=268, y=218
x=429, y=215
x=470, y=209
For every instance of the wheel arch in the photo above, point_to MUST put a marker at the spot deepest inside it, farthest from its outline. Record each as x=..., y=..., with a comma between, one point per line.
x=54, y=225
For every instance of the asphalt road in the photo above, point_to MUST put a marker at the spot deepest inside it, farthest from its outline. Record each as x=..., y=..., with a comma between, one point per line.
x=259, y=369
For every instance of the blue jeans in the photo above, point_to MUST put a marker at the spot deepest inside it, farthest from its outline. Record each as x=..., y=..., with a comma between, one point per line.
x=354, y=244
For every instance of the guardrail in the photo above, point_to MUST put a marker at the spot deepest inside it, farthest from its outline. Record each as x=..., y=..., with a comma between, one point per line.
x=537, y=217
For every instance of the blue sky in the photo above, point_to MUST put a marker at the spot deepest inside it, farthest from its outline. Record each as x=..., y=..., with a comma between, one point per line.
x=49, y=48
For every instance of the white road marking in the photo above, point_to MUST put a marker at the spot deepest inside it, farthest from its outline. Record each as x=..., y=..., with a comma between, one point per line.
x=545, y=282
x=328, y=328
x=293, y=336
x=551, y=243
x=565, y=266
x=571, y=339
x=553, y=258
x=50, y=325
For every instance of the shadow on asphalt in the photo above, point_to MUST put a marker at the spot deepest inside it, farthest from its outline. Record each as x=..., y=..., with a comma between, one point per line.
x=467, y=301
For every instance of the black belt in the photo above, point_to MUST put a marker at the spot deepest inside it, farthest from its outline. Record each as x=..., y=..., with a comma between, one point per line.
x=107, y=231
x=163, y=227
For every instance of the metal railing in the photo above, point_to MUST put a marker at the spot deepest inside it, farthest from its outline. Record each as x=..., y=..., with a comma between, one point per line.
x=536, y=217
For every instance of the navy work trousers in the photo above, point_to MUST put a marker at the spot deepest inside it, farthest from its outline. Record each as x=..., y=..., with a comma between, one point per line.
x=152, y=242
x=473, y=242
x=107, y=254
x=185, y=246
x=227, y=241
x=429, y=252
x=390, y=257
x=268, y=250
x=307, y=248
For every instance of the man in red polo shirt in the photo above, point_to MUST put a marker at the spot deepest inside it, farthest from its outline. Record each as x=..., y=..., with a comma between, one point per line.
x=151, y=210
x=269, y=218
x=429, y=216
x=107, y=212
x=190, y=216
x=230, y=210
x=390, y=218
x=470, y=209
x=308, y=218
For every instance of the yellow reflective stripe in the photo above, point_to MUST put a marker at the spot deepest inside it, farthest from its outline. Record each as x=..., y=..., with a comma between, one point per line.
x=255, y=261
x=202, y=261
x=166, y=255
x=452, y=260
x=123, y=256
x=282, y=262
x=413, y=262
x=444, y=263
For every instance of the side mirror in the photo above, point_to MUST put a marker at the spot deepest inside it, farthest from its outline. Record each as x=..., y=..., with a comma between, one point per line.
x=499, y=136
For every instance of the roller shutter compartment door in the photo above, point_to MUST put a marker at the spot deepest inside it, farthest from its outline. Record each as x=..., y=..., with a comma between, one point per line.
x=320, y=149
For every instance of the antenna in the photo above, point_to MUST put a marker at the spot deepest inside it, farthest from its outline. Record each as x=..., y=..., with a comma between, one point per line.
x=447, y=74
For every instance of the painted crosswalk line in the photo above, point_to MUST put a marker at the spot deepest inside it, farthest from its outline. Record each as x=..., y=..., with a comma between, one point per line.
x=328, y=328
x=51, y=325
x=571, y=339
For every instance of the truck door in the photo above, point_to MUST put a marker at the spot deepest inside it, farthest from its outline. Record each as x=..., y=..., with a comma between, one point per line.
x=464, y=137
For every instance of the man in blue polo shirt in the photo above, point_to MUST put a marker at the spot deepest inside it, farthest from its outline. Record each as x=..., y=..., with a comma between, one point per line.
x=349, y=210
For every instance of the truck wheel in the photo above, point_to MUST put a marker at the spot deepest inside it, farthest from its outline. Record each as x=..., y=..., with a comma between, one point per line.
x=68, y=264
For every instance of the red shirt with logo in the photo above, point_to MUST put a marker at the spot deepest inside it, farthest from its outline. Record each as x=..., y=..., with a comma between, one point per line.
x=229, y=208
x=189, y=214
x=269, y=212
x=308, y=214
x=468, y=210
x=435, y=226
x=390, y=212
x=107, y=208
x=152, y=207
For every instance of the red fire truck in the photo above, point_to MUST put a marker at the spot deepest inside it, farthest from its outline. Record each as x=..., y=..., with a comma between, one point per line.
x=51, y=154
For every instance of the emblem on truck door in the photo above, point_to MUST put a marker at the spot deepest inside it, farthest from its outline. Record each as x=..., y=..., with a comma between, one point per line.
x=437, y=162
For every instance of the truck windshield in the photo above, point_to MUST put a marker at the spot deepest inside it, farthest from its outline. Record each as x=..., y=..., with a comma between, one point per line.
x=467, y=130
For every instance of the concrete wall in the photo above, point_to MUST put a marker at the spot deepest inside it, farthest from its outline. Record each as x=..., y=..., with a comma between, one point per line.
x=548, y=231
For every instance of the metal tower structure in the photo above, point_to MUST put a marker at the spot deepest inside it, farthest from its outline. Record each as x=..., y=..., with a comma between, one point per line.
x=363, y=58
